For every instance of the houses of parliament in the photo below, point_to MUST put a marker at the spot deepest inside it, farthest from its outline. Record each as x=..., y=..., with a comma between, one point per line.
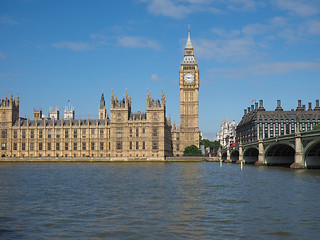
x=122, y=135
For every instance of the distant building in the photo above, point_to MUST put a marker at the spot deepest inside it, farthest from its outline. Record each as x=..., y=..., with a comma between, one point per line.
x=68, y=113
x=54, y=114
x=123, y=135
x=227, y=134
x=257, y=123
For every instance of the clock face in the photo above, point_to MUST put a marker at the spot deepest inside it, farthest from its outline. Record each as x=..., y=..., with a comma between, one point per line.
x=189, y=77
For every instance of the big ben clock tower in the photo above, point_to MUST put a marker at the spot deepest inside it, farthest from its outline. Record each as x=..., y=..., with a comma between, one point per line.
x=189, y=97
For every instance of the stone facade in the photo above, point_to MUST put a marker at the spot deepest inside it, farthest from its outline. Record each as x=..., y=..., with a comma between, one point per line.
x=121, y=136
x=227, y=134
x=124, y=136
x=188, y=132
x=257, y=123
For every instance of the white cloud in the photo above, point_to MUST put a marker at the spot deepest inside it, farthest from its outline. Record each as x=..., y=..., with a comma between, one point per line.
x=243, y=5
x=74, y=46
x=299, y=7
x=168, y=8
x=179, y=8
x=2, y=56
x=265, y=69
x=156, y=78
x=8, y=20
x=313, y=27
x=138, y=42
x=227, y=49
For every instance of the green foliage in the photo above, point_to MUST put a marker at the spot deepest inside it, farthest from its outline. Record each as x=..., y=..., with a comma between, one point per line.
x=192, y=151
x=316, y=127
x=214, y=146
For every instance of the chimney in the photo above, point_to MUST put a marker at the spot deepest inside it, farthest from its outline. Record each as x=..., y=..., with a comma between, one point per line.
x=256, y=106
x=300, y=108
x=309, y=106
x=317, y=105
x=252, y=107
x=303, y=107
x=279, y=108
x=245, y=111
x=261, y=108
x=248, y=109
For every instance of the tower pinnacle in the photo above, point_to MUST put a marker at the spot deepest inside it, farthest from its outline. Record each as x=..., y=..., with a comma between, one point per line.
x=189, y=43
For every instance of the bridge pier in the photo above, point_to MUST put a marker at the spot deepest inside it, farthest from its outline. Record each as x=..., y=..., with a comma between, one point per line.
x=228, y=160
x=240, y=154
x=298, y=157
x=260, y=161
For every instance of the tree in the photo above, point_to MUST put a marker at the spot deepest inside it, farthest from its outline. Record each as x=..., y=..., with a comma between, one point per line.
x=316, y=127
x=192, y=151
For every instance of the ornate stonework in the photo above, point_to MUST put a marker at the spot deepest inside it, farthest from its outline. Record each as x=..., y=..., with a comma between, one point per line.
x=121, y=136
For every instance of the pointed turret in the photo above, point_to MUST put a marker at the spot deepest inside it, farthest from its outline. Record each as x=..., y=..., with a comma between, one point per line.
x=188, y=51
x=102, y=102
x=163, y=99
x=189, y=43
x=17, y=99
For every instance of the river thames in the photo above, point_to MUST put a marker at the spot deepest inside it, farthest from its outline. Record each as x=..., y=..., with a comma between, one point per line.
x=157, y=201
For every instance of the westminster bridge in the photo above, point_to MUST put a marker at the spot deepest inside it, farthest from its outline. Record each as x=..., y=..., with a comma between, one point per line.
x=299, y=150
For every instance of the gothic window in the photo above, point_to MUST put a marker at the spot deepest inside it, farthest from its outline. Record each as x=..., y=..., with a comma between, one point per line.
x=58, y=134
x=130, y=132
x=155, y=116
x=177, y=147
x=143, y=145
x=15, y=146
x=40, y=133
x=130, y=145
x=4, y=134
x=75, y=134
x=23, y=134
x=154, y=132
x=143, y=132
x=101, y=146
x=119, y=145
x=3, y=146
x=137, y=145
x=137, y=132
x=66, y=134
x=40, y=146
x=119, y=132
x=32, y=134
x=49, y=146
x=75, y=146
x=92, y=133
x=15, y=134
x=49, y=133
x=154, y=145
x=84, y=133
x=84, y=147
x=119, y=116
x=101, y=133
x=66, y=146
x=31, y=146
x=92, y=146
x=57, y=146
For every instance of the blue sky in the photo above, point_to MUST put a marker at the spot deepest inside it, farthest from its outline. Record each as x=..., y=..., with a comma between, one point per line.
x=55, y=51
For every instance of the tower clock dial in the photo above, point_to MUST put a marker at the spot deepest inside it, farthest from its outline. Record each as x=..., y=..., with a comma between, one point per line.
x=189, y=77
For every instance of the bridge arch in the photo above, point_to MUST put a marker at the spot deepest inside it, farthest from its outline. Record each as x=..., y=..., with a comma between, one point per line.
x=224, y=156
x=279, y=154
x=234, y=155
x=251, y=155
x=312, y=154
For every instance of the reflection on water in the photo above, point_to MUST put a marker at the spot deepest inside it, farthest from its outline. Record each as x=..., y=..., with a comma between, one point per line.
x=157, y=201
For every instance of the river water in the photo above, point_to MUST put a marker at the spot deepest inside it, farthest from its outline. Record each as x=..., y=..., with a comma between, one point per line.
x=157, y=201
